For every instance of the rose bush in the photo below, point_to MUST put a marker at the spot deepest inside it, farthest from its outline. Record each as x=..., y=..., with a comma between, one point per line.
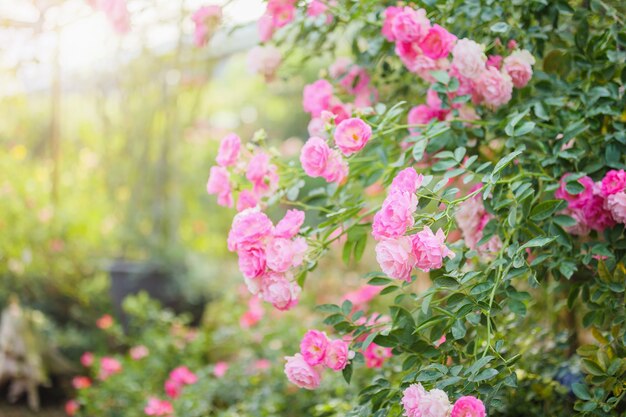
x=497, y=133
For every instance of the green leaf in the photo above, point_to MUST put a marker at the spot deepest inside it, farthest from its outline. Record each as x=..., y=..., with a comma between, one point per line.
x=328, y=308
x=485, y=375
x=347, y=373
x=499, y=27
x=581, y=391
x=545, y=209
x=537, y=242
x=379, y=281
x=441, y=76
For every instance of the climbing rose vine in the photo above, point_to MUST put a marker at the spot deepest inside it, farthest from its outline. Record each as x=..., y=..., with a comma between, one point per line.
x=477, y=152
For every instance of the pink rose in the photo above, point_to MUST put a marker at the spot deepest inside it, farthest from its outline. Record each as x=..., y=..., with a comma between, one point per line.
x=422, y=115
x=468, y=406
x=410, y=25
x=351, y=135
x=314, y=156
x=395, y=215
x=220, y=368
x=390, y=13
x=340, y=67
x=613, y=182
x=360, y=297
x=206, y=20
x=355, y=80
x=395, y=257
x=412, y=397
x=246, y=200
x=252, y=262
x=336, y=355
x=301, y=373
x=616, y=203
x=249, y=227
x=376, y=355
x=229, y=150
x=290, y=225
x=81, y=382
x=264, y=60
x=437, y=43
x=468, y=58
x=576, y=201
x=261, y=173
x=440, y=341
x=280, y=254
x=139, y=352
x=313, y=347
x=71, y=407
x=418, y=402
x=219, y=184
x=157, y=407
x=407, y=180
x=408, y=53
x=253, y=315
x=494, y=61
x=109, y=366
x=105, y=322
x=519, y=67
x=280, y=292
x=495, y=87
x=316, y=8
x=172, y=388
x=183, y=375
x=86, y=359
x=316, y=97
x=429, y=249
x=265, y=27
x=511, y=44
x=336, y=169
x=282, y=11
x=424, y=66
x=317, y=127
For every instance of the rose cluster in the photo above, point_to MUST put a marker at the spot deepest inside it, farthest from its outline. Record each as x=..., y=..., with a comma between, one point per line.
x=319, y=160
x=599, y=205
x=280, y=13
x=317, y=351
x=418, y=402
x=396, y=253
x=424, y=47
x=178, y=378
x=267, y=254
x=254, y=166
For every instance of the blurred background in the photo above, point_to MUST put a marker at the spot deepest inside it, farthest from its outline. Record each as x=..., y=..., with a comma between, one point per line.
x=111, y=121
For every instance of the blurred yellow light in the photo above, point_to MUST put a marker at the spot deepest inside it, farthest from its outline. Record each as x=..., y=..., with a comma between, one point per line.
x=19, y=152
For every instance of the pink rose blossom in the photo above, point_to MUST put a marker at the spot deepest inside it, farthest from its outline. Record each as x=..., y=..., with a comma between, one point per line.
x=336, y=355
x=290, y=225
x=219, y=184
x=390, y=14
x=519, y=67
x=580, y=200
x=71, y=407
x=317, y=127
x=86, y=359
x=440, y=341
x=249, y=227
x=407, y=180
x=613, y=182
x=206, y=19
x=264, y=60
x=281, y=254
x=355, y=80
x=429, y=249
x=219, y=369
x=494, y=61
x=229, y=150
x=246, y=200
x=314, y=156
x=511, y=44
x=616, y=204
x=108, y=367
x=424, y=66
x=410, y=25
x=468, y=58
x=252, y=262
x=282, y=11
x=262, y=364
x=352, y=135
x=495, y=87
x=172, y=388
x=316, y=97
x=437, y=43
x=422, y=115
x=158, y=407
x=317, y=8
x=408, y=53
x=138, y=352
x=376, y=355
x=395, y=257
x=262, y=174
x=104, y=322
x=468, y=406
x=433, y=100
x=81, y=382
x=340, y=67
x=360, y=297
x=280, y=292
x=395, y=215
x=313, y=347
x=418, y=402
x=265, y=28
x=338, y=110
x=336, y=168
x=183, y=375
x=301, y=373
x=253, y=315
